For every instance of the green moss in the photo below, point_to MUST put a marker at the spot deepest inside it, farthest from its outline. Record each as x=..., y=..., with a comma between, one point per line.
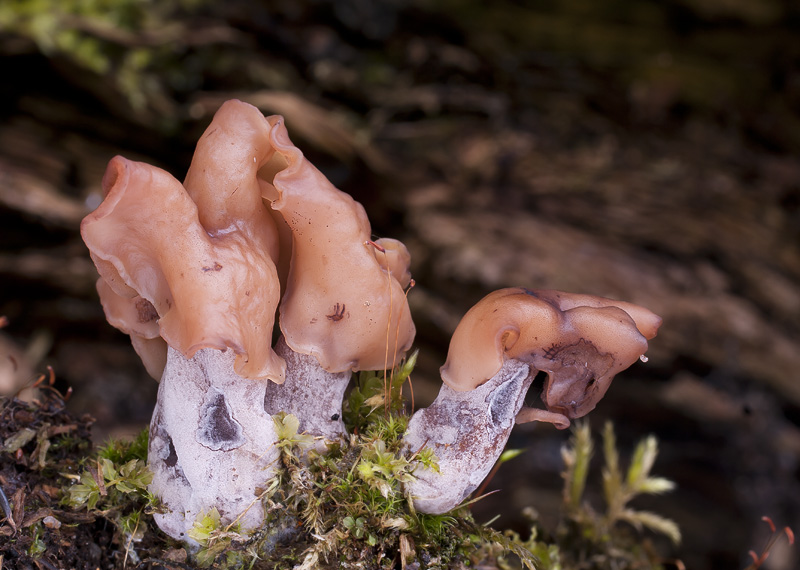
x=113, y=484
x=347, y=507
x=588, y=538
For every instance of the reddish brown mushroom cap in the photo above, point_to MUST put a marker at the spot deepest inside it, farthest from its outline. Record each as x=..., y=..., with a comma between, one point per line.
x=393, y=256
x=500, y=326
x=341, y=304
x=204, y=254
x=646, y=321
x=223, y=181
x=581, y=341
x=211, y=287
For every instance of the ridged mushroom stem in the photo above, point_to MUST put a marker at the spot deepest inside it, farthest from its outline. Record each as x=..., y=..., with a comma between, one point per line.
x=212, y=445
x=467, y=431
x=311, y=394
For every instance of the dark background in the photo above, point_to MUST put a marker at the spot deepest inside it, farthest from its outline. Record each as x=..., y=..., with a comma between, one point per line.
x=645, y=151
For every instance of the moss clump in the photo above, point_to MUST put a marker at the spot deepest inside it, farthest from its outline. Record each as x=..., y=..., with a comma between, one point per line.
x=591, y=539
x=346, y=508
x=113, y=484
x=343, y=509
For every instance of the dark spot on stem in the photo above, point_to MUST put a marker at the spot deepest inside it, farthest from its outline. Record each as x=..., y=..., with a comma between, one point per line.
x=172, y=458
x=217, y=429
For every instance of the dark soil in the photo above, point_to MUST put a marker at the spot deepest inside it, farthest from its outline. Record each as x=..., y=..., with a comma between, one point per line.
x=42, y=443
x=37, y=531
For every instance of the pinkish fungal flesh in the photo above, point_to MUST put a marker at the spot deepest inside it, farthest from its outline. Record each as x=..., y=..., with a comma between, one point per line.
x=341, y=304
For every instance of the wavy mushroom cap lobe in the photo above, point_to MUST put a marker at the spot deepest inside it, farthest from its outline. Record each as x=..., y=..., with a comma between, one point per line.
x=393, y=256
x=647, y=322
x=502, y=325
x=581, y=341
x=211, y=286
x=340, y=305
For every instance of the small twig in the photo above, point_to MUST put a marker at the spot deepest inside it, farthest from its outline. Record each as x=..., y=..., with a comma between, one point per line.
x=7, y=509
x=421, y=447
x=168, y=564
x=58, y=430
x=759, y=559
x=97, y=475
x=476, y=499
x=411, y=388
x=377, y=246
x=489, y=478
x=45, y=563
x=161, y=563
x=130, y=541
x=39, y=381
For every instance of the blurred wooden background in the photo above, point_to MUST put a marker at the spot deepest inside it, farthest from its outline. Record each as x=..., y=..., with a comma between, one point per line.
x=646, y=151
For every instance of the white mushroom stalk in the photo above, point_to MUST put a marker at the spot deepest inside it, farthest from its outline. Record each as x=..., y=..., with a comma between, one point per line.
x=311, y=394
x=211, y=445
x=467, y=432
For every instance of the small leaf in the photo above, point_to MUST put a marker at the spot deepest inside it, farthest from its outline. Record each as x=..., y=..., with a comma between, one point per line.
x=286, y=426
x=106, y=467
x=405, y=369
x=654, y=522
x=656, y=485
x=510, y=454
x=612, y=477
x=204, y=526
x=577, y=457
x=428, y=459
x=610, y=450
x=366, y=470
x=375, y=401
x=643, y=458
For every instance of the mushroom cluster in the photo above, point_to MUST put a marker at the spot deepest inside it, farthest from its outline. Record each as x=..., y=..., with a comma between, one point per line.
x=197, y=274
